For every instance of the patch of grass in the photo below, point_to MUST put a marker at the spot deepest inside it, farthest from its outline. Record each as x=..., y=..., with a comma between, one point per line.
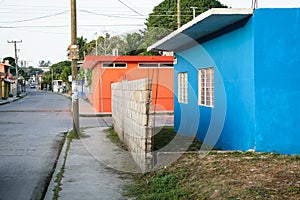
x=222, y=175
x=114, y=138
x=60, y=174
x=163, y=137
x=167, y=134
x=162, y=186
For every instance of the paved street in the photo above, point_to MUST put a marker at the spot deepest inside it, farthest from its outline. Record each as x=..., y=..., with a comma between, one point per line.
x=31, y=130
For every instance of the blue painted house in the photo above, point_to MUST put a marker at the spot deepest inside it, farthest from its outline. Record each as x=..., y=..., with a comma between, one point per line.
x=237, y=78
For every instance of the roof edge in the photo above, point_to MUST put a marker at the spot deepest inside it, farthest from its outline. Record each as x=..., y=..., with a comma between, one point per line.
x=199, y=18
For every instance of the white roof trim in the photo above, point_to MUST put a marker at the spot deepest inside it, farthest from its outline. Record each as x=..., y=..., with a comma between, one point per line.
x=204, y=19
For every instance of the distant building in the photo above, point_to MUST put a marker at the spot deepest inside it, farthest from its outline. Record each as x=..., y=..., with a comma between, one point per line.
x=111, y=69
x=58, y=86
x=5, y=80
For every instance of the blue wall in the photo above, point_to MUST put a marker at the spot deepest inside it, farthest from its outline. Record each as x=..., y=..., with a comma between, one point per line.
x=257, y=73
x=231, y=119
x=277, y=80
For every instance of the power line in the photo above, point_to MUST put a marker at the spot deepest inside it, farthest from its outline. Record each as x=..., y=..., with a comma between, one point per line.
x=130, y=8
x=114, y=16
x=37, y=18
x=62, y=26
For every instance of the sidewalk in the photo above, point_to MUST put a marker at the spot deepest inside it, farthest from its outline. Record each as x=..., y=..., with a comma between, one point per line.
x=93, y=167
x=11, y=99
x=87, y=110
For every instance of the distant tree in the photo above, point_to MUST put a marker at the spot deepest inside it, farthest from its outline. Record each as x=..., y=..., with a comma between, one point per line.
x=11, y=60
x=131, y=44
x=164, y=15
x=67, y=71
x=163, y=19
x=43, y=63
x=58, y=68
x=23, y=72
x=81, y=42
x=47, y=78
x=59, y=71
x=106, y=44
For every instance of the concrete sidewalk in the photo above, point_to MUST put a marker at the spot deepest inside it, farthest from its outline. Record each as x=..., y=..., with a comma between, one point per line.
x=92, y=167
x=11, y=99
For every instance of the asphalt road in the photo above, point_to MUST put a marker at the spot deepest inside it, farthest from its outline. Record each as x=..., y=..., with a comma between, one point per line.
x=31, y=130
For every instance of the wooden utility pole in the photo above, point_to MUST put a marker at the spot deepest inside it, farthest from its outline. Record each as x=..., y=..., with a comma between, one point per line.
x=254, y=4
x=16, y=61
x=178, y=14
x=75, y=103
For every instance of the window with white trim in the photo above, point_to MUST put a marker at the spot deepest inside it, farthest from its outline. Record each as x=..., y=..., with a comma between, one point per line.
x=206, y=87
x=114, y=65
x=183, y=87
x=155, y=65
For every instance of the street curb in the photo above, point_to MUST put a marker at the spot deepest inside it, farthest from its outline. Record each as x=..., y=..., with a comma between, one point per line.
x=12, y=100
x=60, y=162
x=95, y=114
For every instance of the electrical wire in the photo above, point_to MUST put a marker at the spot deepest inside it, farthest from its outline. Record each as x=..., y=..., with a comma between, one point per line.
x=61, y=26
x=130, y=8
x=106, y=15
x=37, y=18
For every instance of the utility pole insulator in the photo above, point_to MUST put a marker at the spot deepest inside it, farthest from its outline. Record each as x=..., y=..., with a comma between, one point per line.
x=194, y=11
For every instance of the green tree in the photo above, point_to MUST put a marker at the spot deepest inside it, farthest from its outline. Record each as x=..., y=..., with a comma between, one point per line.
x=11, y=60
x=132, y=44
x=106, y=44
x=43, y=63
x=164, y=15
x=81, y=42
x=163, y=19
x=67, y=71
x=58, y=69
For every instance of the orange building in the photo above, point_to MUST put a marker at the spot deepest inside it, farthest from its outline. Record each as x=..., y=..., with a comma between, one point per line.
x=110, y=69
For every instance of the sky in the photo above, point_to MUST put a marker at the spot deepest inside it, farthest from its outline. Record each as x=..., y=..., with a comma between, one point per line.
x=43, y=26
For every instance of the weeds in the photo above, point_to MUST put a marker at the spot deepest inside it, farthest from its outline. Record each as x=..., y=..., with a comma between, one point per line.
x=114, y=138
x=219, y=175
x=60, y=174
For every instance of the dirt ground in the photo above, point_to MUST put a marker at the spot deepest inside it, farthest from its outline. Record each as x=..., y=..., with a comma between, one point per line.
x=223, y=175
x=218, y=175
x=237, y=175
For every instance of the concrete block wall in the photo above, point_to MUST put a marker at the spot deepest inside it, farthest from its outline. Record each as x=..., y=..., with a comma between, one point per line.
x=131, y=104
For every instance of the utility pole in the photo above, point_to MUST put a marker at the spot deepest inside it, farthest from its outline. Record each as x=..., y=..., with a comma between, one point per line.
x=254, y=4
x=16, y=61
x=178, y=14
x=194, y=11
x=96, y=43
x=75, y=106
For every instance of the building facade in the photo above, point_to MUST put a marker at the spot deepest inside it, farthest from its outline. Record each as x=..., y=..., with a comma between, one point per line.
x=5, y=80
x=237, y=76
x=111, y=69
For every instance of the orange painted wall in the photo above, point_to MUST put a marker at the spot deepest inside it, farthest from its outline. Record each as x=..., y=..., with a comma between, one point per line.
x=162, y=79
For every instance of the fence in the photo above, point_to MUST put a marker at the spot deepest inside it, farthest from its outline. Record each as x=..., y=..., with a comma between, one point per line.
x=131, y=103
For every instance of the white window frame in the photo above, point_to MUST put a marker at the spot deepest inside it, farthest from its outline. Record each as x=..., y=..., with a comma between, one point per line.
x=206, y=87
x=158, y=65
x=182, y=82
x=114, y=65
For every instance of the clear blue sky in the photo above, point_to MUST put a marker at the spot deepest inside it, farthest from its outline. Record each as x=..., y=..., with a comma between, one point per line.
x=44, y=25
